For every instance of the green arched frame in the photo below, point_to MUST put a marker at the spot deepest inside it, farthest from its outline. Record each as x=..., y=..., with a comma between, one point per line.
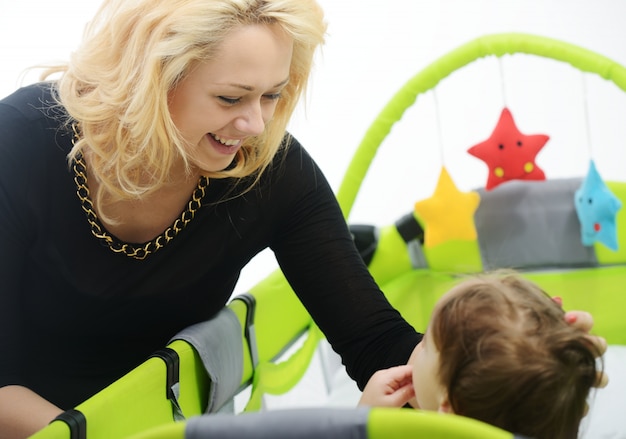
x=490, y=45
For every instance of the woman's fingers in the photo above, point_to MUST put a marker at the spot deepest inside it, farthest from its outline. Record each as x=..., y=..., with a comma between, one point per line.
x=598, y=342
x=579, y=319
x=602, y=379
x=584, y=321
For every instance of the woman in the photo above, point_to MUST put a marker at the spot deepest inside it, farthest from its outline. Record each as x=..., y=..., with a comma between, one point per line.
x=135, y=187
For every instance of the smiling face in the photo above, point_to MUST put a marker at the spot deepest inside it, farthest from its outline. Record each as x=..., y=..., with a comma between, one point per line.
x=222, y=102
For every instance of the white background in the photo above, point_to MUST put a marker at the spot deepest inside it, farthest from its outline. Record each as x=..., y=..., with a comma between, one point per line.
x=373, y=48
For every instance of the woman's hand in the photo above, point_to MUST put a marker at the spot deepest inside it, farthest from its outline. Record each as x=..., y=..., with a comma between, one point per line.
x=584, y=321
x=391, y=387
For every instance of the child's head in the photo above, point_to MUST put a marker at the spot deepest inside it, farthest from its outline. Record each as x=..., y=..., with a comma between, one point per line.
x=501, y=352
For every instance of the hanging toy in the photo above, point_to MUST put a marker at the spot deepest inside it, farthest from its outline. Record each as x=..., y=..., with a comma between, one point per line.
x=509, y=154
x=597, y=207
x=448, y=214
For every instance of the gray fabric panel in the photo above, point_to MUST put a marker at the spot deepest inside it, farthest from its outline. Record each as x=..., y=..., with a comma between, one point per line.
x=314, y=423
x=228, y=407
x=531, y=224
x=416, y=254
x=178, y=413
x=220, y=346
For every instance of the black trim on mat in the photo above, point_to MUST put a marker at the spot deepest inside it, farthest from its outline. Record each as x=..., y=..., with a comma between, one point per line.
x=76, y=421
x=172, y=363
x=410, y=229
x=250, y=302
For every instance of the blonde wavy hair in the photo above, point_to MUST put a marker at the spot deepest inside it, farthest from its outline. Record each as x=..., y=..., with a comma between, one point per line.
x=134, y=52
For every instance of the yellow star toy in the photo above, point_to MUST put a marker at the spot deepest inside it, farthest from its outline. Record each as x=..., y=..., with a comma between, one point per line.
x=448, y=214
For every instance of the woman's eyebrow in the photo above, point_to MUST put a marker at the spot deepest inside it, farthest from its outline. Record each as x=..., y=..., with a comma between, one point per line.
x=250, y=88
x=282, y=83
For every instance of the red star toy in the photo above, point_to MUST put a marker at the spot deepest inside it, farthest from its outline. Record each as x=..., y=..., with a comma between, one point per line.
x=509, y=154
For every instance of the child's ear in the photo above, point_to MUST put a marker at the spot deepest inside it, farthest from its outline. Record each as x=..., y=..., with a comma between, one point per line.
x=445, y=406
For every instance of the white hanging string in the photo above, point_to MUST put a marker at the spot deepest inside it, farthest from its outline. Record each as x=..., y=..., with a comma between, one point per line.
x=586, y=114
x=502, y=82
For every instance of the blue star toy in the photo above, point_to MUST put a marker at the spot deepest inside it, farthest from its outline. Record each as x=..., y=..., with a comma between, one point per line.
x=596, y=207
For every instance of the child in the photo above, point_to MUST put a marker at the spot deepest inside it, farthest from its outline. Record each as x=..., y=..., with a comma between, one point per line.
x=499, y=350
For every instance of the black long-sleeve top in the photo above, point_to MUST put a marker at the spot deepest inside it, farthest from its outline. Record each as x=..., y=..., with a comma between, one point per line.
x=75, y=316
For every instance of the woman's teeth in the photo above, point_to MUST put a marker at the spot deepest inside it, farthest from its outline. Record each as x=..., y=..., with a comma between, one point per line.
x=227, y=142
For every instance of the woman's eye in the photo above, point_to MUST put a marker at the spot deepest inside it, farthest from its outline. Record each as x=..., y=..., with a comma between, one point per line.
x=232, y=101
x=229, y=101
x=272, y=96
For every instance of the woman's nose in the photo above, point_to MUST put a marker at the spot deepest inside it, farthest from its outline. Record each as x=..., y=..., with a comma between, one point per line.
x=251, y=120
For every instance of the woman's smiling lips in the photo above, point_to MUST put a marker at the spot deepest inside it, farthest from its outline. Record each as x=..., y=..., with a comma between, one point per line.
x=223, y=145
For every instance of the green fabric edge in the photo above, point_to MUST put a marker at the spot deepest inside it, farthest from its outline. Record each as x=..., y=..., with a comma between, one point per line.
x=169, y=431
x=387, y=423
x=278, y=378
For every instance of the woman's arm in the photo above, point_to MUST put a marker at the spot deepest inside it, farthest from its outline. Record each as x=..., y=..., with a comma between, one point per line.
x=317, y=254
x=23, y=412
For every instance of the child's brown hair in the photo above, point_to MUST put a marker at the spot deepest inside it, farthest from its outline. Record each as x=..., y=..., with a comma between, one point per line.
x=509, y=358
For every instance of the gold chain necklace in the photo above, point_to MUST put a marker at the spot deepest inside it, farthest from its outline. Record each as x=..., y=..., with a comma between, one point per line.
x=131, y=250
